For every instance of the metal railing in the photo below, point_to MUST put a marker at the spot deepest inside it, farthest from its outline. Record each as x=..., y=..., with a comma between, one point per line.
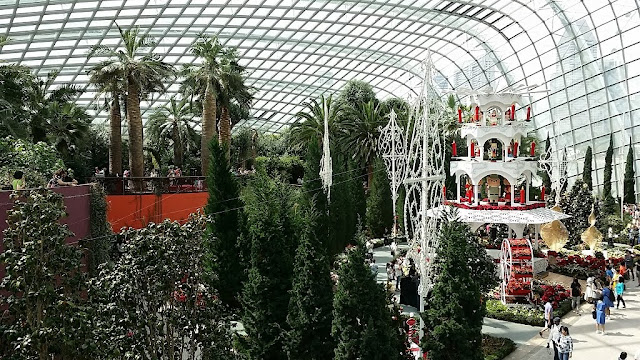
x=151, y=185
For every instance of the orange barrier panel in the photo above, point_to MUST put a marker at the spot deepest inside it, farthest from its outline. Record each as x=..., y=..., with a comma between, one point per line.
x=137, y=211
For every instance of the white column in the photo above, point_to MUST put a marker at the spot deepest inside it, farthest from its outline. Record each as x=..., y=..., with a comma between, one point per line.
x=513, y=190
x=457, y=187
x=527, y=191
x=475, y=194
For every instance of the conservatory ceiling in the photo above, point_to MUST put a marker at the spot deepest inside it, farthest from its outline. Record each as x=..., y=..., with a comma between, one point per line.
x=297, y=49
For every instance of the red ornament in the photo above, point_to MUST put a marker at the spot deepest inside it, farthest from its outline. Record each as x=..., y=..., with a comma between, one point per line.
x=522, y=195
x=513, y=111
x=542, y=193
x=529, y=113
x=454, y=148
x=515, y=149
x=460, y=115
x=444, y=192
x=533, y=148
x=473, y=149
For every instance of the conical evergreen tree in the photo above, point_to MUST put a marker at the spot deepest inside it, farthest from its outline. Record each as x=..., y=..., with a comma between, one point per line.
x=455, y=310
x=311, y=303
x=361, y=318
x=587, y=169
x=630, y=178
x=577, y=203
x=609, y=204
x=223, y=208
x=379, y=216
x=265, y=298
x=314, y=194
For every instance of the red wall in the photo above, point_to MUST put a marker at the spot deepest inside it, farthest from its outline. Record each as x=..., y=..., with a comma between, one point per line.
x=137, y=211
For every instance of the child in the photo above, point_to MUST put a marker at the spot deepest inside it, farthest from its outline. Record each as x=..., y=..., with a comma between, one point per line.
x=619, y=291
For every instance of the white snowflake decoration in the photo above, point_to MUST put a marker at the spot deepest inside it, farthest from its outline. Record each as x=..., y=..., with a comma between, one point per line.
x=326, y=170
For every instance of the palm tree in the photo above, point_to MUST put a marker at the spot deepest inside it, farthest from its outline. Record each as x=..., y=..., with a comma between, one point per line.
x=174, y=120
x=68, y=127
x=203, y=81
x=15, y=93
x=108, y=78
x=360, y=136
x=233, y=89
x=310, y=122
x=144, y=73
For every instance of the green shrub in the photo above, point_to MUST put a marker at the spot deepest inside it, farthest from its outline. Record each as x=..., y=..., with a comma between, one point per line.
x=495, y=348
x=523, y=314
x=289, y=168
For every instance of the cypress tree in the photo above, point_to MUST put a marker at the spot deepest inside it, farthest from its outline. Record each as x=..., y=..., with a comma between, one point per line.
x=265, y=298
x=608, y=169
x=587, y=168
x=609, y=204
x=313, y=192
x=311, y=303
x=224, y=259
x=629, y=178
x=362, y=326
x=379, y=215
x=455, y=310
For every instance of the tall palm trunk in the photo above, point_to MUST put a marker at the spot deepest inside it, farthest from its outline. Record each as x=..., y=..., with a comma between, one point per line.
x=225, y=129
x=115, y=137
x=208, y=125
x=136, y=158
x=177, y=146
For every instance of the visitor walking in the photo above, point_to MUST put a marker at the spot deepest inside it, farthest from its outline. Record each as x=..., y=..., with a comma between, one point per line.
x=638, y=271
x=590, y=292
x=394, y=248
x=554, y=337
x=548, y=314
x=398, y=269
x=619, y=292
x=607, y=297
x=629, y=262
x=600, y=316
x=576, y=292
x=565, y=344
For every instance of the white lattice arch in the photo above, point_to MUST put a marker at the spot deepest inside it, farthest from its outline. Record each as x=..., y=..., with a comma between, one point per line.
x=478, y=170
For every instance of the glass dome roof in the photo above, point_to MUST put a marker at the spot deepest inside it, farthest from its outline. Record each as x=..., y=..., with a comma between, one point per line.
x=585, y=54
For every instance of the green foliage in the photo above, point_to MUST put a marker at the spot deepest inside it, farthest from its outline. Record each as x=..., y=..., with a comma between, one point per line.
x=37, y=161
x=154, y=300
x=629, y=179
x=348, y=203
x=587, y=169
x=453, y=318
x=360, y=133
x=316, y=197
x=495, y=348
x=287, y=167
x=310, y=122
x=273, y=237
x=225, y=253
x=44, y=283
x=379, y=215
x=243, y=148
x=355, y=93
x=100, y=244
x=14, y=95
x=311, y=303
x=362, y=325
x=577, y=203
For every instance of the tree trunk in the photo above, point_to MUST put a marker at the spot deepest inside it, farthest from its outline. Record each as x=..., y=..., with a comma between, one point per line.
x=115, y=137
x=208, y=125
x=136, y=157
x=225, y=129
x=369, y=174
x=177, y=146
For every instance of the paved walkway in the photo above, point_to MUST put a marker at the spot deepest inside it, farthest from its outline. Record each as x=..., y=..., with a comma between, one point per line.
x=623, y=329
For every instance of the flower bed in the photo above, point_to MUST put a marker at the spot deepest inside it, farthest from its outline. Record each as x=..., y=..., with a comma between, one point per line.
x=582, y=267
x=523, y=314
x=495, y=348
x=552, y=293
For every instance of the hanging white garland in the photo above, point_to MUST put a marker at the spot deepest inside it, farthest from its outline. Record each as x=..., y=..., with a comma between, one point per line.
x=326, y=170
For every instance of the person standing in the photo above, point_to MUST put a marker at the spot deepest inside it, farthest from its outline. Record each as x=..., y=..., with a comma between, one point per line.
x=619, y=291
x=554, y=337
x=576, y=292
x=18, y=182
x=397, y=267
x=629, y=262
x=548, y=315
x=607, y=297
x=394, y=248
x=600, y=309
x=565, y=344
x=638, y=271
x=590, y=290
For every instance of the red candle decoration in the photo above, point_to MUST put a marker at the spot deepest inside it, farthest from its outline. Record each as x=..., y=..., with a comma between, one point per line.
x=454, y=148
x=460, y=115
x=542, y=193
x=444, y=192
x=533, y=149
x=473, y=149
x=528, y=113
x=522, y=195
x=477, y=113
x=513, y=111
x=515, y=149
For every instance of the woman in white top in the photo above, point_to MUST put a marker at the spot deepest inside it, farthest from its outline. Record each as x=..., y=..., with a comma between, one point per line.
x=565, y=344
x=589, y=293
